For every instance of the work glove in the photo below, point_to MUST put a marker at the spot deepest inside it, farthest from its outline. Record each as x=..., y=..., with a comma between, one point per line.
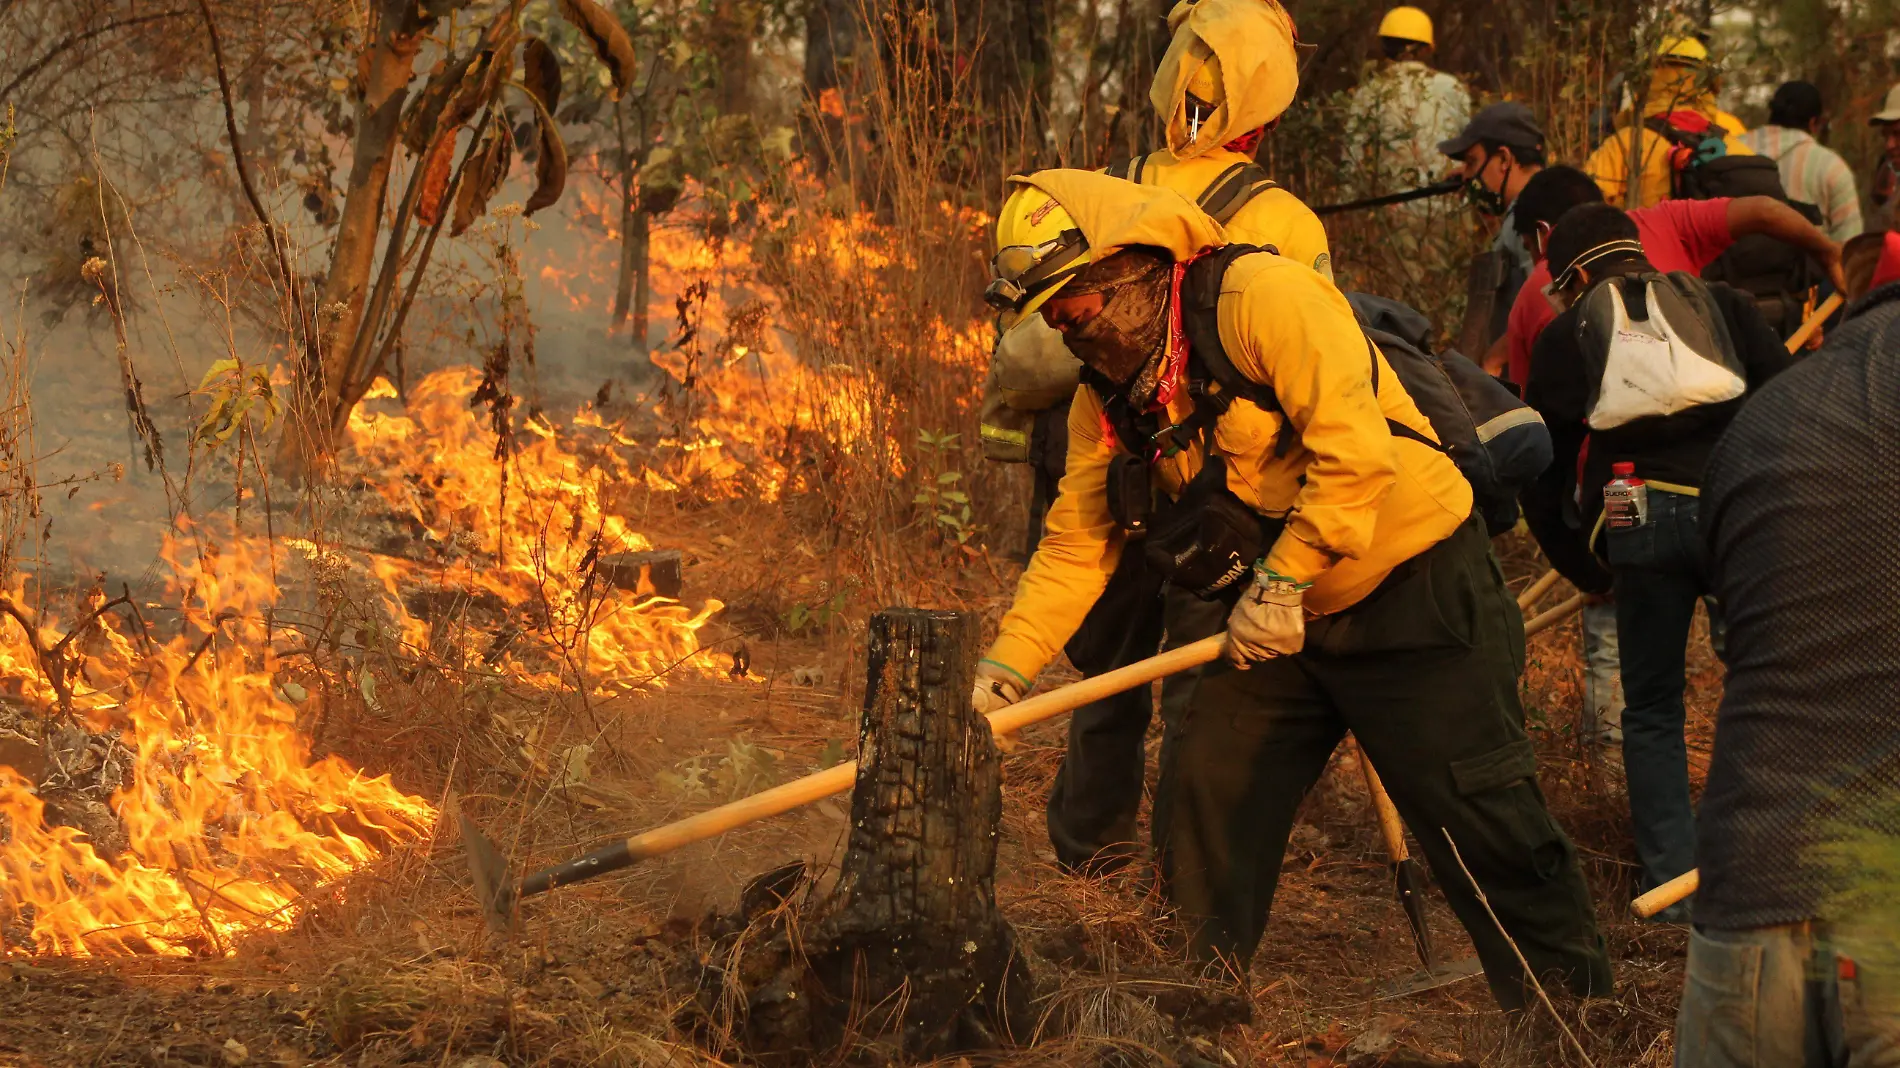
x=1269, y=621
x=997, y=687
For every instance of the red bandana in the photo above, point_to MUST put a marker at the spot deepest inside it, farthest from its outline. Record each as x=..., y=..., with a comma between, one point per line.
x=1177, y=340
x=1248, y=143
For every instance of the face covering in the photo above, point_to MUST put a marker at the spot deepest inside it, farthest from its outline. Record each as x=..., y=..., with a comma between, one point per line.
x=1131, y=331
x=1487, y=201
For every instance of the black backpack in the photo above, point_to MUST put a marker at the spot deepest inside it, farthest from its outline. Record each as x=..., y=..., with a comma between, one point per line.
x=1500, y=443
x=1779, y=276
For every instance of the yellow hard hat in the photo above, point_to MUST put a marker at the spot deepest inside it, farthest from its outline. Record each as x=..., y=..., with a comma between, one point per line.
x=1205, y=84
x=1039, y=248
x=1685, y=50
x=1407, y=24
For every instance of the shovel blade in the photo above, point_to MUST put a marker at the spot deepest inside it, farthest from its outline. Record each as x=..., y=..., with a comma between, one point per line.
x=1410, y=880
x=1432, y=978
x=494, y=887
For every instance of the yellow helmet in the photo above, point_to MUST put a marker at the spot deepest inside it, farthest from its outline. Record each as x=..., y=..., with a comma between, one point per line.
x=1407, y=24
x=1205, y=84
x=1685, y=50
x=1039, y=248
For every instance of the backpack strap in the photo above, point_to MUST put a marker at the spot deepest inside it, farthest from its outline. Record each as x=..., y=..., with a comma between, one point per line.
x=1129, y=170
x=1224, y=196
x=1227, y=194
x=1208, y=362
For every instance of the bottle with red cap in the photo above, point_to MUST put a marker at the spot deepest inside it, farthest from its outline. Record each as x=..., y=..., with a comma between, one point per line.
x=1625, y=498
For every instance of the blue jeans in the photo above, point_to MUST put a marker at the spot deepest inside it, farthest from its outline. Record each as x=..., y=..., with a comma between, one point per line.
x=1800, y=995
x=1602, y=675
x=1661, y=571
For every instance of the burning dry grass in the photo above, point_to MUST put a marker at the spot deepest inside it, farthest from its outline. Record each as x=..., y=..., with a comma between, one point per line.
x=226, y=819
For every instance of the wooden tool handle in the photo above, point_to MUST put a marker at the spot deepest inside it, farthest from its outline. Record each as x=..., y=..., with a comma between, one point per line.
x=1555, y=616
x=1667, y=894
x=838, y=779
x=1536, y=590
x=1803, y=333
x=1391, y=828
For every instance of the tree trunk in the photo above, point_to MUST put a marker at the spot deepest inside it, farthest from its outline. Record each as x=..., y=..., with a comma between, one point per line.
x=833, y=30
x=908, y=955
x=388, y=66
x=633, y=288
x=734, y=27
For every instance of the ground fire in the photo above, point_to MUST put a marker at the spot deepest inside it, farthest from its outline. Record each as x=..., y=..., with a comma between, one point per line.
x=666, y=533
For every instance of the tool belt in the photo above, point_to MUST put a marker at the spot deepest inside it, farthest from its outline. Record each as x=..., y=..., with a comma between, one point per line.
x=1206, y=542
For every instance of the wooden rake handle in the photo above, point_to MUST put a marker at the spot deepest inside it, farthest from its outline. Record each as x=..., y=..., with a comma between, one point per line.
x=1804, y=332
x=838, y=779
x=1667, y=894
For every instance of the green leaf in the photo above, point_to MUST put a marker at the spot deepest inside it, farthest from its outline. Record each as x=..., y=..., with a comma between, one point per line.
x=948, y=477
x=923, y=497
x=956, y=496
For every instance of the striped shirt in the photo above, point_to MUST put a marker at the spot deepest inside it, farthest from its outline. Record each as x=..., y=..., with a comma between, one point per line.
x=1814, y=174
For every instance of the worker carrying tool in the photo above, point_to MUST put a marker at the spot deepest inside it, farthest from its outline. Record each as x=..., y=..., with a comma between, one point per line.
x=1792, y=959
x=1239, y=432
x=1228, y=73
x=1650, y=366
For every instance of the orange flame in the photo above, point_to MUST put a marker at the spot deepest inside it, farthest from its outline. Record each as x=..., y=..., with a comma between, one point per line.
x=532, y=529
x=228, y=822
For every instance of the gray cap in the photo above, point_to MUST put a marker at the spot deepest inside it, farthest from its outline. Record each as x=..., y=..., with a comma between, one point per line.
x=1508, y=123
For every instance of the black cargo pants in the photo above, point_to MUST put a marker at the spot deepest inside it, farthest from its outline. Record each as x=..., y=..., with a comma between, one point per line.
x=1424, y=672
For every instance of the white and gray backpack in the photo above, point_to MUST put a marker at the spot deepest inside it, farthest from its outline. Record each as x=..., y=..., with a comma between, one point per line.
x=1662, y=347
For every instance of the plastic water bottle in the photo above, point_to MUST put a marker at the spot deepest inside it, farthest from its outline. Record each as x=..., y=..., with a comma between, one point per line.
x=1625, y=498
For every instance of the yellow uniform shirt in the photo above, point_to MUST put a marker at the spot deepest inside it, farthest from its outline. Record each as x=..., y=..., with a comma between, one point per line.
x=1357, y=501
x=1273, y=217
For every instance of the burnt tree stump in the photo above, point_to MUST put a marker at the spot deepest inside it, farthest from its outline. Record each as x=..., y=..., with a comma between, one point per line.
x=907, y=955
x=917, y=913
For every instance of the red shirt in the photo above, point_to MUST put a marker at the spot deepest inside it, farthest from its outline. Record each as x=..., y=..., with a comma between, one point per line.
x=1677, y=235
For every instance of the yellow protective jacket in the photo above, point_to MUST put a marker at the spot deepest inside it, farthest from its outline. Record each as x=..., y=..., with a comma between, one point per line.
x=1671, y=89
x=1358, y=501
x=1273, y=217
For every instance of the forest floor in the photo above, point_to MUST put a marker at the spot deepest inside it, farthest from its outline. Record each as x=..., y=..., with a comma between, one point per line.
x=397, y=967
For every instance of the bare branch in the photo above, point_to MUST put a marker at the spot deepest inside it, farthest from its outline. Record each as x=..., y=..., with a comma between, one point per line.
x=74, y=40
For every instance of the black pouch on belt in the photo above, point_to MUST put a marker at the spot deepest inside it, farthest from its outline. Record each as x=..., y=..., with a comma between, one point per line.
x=1207, y=541
x=1130, y=494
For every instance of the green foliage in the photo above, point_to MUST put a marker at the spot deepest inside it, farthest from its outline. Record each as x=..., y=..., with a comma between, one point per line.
x=942, y=493
x=815, y=617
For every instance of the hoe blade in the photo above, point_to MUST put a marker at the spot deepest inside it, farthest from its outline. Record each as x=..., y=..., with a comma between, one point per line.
x=494, y=887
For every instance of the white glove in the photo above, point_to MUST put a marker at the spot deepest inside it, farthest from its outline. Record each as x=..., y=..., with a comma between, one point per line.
x=997, y=687
x=1269, y=621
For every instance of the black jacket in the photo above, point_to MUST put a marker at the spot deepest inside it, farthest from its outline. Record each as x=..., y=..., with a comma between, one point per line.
x=1801, y=513
x=1670, y=448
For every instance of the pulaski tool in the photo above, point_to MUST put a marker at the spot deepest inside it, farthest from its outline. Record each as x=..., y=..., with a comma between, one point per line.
x=498, y=893
x=1408, y=878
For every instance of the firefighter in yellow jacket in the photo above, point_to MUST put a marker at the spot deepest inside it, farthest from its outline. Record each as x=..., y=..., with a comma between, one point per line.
x=1679, y=83
x=1229, y=72
x=1372, y=603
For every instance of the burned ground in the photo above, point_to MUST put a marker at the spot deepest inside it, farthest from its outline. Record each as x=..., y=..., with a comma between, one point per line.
x=394, y=965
